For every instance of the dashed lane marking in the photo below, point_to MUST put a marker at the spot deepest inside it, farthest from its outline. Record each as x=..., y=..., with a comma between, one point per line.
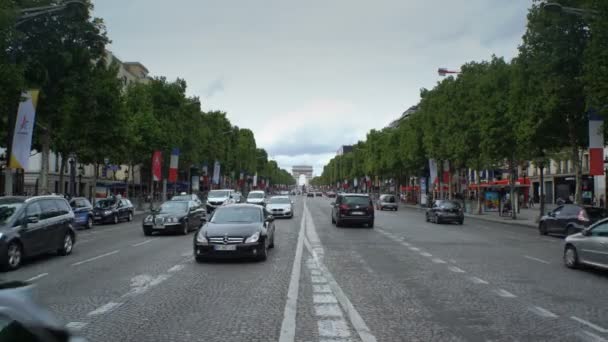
x=321, y=289
x=504, y=293
x=41, y=275
x=590, y=325
x=536, y=259
x=328, y=310
x=75, y=326
x=176, y=268
x=324, y=299
x=104, y=309
x=426, y=254
x=438, y=261
x=318, y=279
x=315, y=272
x=142, y=243
x=456, y=269
x=542, y=312
x=477, y=280
x=333, y=328
x=415, y=249
x=95, y=258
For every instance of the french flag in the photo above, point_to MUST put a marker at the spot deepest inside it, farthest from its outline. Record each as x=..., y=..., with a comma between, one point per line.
x=596, y=145
x=173, y=165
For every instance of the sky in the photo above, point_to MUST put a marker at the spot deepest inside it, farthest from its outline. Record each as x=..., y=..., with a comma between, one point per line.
x=309, y=76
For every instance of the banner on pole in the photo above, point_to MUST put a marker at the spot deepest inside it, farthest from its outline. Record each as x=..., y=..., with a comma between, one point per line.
x=24, y=128
x=596, y=145
x=173, y=165
x=216, y=172
x=157, y=161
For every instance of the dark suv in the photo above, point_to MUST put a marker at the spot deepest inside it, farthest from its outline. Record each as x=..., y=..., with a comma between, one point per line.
x=352, y=208
x=570, y=219
x=113, y=210
x=32, y=226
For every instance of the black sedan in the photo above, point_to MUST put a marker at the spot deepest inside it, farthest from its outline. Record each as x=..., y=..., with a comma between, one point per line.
x=113, y=210
x=445, y=211
x=237, y=230
x=174, y=216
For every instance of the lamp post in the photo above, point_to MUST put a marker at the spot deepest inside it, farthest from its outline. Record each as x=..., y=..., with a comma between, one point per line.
x=80, y=174
x=72, y=162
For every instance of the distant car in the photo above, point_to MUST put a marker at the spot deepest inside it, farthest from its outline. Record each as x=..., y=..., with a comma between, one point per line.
x=352, y=208
x=238, y=197
x=280, y=206
x=570, y=219
x=310, y=194
x=318, y=194
x=217, y=198
x=331, y=194
x=256, y=197
x=33, y=226
x=83, y=212
x=113, y=210
x=284, y=193
x=445, y=211
x=387, y=201
x=174, y=216
x=589, y=247
x=237, y=230
x=187, y=197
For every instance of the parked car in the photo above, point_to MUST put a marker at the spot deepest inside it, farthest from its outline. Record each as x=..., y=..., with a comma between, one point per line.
x=83, y=212
x=280, y=206
x=387, y=201
x=217, y=198
x=174, y=216
x=256, y=197
x=113, y=210
x=352, y=208
x=570, y=219
x=236, y=230
x=589, y=247
x=33, y=226
x=310, y=194
x=445, y=211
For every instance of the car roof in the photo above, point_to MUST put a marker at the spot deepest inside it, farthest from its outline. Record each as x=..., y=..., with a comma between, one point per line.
x=280, y=196
x=354, y=195
x=256, y=191
x=246, y=205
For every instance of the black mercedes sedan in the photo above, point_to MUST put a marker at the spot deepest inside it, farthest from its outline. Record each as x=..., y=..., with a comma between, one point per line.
x=236, y=230
x=174, y=216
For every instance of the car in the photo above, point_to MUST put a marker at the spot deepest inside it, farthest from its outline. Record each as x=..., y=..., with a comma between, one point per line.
x=387, y=201
x=217, y=198
x=280, y=206
x=24, y=319
x=284, y=193
x=174, y=216
x=589, y=247
x=445, y=211
x=236, y=230
x=256, y=197
x=83, y=212
x=32, y=226
x=113, y=210
x=331, y=194
x=310, y=194
x=238, y=197
x=352, y=208
x=318, y=194
x=187, y=197
x=570, y=219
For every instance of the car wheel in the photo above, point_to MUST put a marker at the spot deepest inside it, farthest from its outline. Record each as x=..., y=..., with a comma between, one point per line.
x=115, y=219
x=460, y=222
x=542, y=228
x=437, y=220
x=185, y=229
x=338, y=223
x=89, y=223
x=271, y=242
x=570, y=231
x=333, y=221
x=130, y=218
x=67, y=245
x=14, y=255
x=264, y=255
x=147, y=232
x=426, y=217
x=370, y=224
x=571, y=257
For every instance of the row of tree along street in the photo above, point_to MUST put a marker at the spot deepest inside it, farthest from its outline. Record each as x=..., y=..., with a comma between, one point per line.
x=85, y=110
x=497, y=113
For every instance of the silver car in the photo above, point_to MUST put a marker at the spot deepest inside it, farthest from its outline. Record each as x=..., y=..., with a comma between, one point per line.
x=280, y=206
x=589, y=247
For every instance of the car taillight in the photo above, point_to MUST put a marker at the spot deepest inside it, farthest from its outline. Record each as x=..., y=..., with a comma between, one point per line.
x=343, y=207
x=582, y=216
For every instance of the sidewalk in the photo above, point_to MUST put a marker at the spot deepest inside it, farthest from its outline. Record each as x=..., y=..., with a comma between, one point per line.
x=526, y=217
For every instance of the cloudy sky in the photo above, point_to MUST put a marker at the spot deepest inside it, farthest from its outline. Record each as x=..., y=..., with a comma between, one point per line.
x=309, y=76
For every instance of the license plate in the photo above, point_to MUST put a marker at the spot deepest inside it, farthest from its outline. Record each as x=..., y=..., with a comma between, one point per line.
x=357, y=213
x=157, y=226
x=225, y=247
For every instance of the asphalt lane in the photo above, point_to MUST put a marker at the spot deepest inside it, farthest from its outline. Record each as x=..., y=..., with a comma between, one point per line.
x=404, y=280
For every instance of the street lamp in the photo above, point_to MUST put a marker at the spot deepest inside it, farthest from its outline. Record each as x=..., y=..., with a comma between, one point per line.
x=555, y=7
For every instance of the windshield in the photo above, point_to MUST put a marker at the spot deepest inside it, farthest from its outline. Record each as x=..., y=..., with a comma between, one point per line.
x=105, y=204
x=279, y=200
x=255, y=195
x=8, y=210
x=356, y=200
x=388, y=199
x=448, y=205
x=218, y=194
x=237, y=215
x=181, y=198
x=174, y=207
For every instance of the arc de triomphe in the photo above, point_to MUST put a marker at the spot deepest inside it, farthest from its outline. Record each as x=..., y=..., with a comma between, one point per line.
x=298, y=170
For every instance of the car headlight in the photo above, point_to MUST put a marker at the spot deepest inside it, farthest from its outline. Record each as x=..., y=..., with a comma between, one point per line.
x=253, y=238
x=149, y=218
x=200, y=238
x=107, y=212
x=172, y=219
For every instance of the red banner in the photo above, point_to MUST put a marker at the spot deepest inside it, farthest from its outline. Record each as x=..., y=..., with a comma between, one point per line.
x=596, y=161
x=157, y=161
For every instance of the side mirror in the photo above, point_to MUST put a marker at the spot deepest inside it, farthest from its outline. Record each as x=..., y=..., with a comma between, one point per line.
x=32, y=219
x=270, y=218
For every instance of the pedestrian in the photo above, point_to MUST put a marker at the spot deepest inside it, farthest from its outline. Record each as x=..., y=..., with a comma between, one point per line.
x=602, y=201
x=594, y=201
x=531, y=202
x=571, y=198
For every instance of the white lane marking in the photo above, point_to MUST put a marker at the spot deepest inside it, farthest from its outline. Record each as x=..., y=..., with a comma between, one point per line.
x=321, y=289
x=438, y=261
x=330, y=310
x=94, y=258
x=288, y=326
x=41, y=275
x=415, y=249
x=143, y=282
x=406, y=244
x=590, y=337
x=333, y=328
x=75, y=326
x=590, y=325
x=176, y=268
x=504, y=293
x=426, y=254
x=478, y=280
x=324, y=299
x=318, y=279
x=542, y=312
x=315, y=272
x=456, y=269
x=536, y=259
x=142, y=243
x=104, y=308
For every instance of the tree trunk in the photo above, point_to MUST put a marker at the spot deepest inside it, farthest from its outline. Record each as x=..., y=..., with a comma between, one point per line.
x=95, y=176
x=478, y=192
x=45, y=140
x=61, y=174
x=542, y=189
x=576, y=159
